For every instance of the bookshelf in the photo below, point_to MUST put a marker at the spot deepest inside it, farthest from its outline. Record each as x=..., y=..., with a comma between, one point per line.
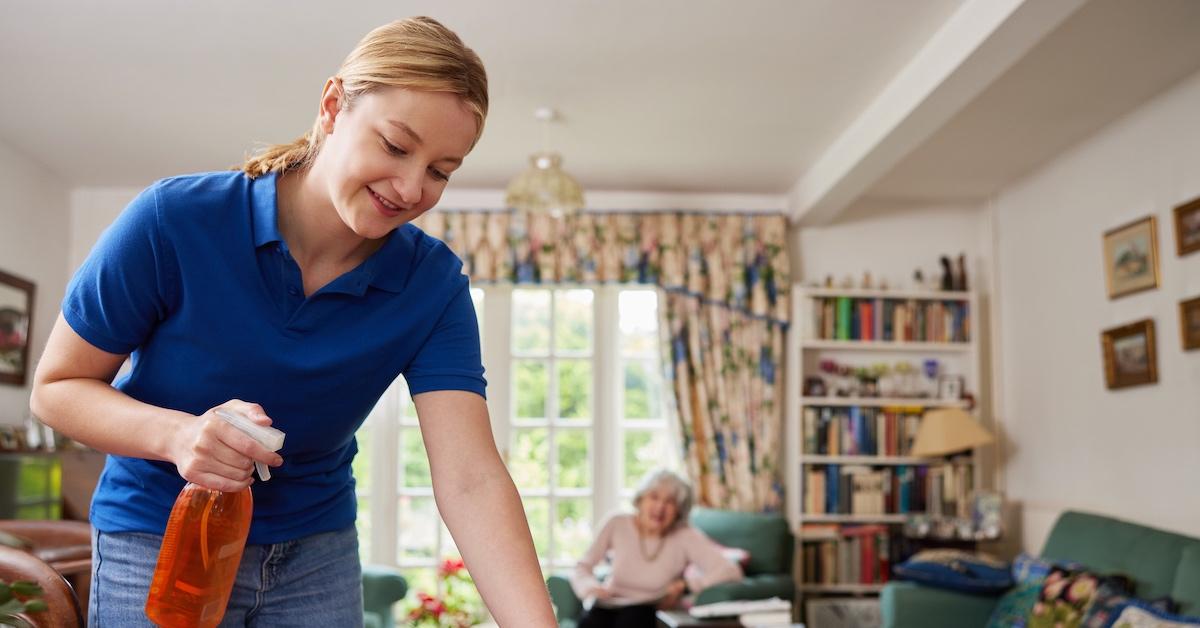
x=861, y=331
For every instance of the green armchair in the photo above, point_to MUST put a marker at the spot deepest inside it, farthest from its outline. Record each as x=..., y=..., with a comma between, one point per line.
x=766, y=537
x=1160, y=562
x=382, y=587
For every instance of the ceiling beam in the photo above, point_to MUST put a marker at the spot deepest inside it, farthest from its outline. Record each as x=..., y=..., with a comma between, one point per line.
x=973, y=48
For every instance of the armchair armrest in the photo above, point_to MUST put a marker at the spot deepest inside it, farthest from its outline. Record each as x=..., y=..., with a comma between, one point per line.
x=910, y=605
x=383, y=586
x=567, y=607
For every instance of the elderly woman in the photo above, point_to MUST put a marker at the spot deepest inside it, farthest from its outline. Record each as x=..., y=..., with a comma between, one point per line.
x=650, y=551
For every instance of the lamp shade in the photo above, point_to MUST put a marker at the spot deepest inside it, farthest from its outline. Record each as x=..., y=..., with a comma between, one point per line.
x=948, y=431
x=545, y=187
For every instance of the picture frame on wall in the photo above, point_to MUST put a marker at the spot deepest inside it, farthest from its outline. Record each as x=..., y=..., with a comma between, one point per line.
x=1131, y=257
x=1189, y=323
x=1130, y=358
x=16, y=315
x=1187, y=227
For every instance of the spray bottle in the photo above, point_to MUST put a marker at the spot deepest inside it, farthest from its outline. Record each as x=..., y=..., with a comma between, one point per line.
x=203, y=544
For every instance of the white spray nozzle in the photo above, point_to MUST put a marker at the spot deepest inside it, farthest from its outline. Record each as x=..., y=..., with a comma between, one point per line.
x=266, y=435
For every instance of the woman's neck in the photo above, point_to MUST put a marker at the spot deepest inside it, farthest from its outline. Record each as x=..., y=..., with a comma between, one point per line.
x=644, y=530
x=309, y=223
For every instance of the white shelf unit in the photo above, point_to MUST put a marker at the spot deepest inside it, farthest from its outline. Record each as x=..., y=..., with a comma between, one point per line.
x=804, y=352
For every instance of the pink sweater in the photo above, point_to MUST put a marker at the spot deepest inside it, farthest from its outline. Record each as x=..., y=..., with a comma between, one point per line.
x=636, y=580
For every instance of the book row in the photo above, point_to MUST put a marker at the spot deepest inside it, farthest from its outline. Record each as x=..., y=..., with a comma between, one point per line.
x=890, y=320
x=859, y=431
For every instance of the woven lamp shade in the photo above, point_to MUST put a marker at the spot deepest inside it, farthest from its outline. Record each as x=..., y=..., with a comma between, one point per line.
x=545, y=188
x=949, y=431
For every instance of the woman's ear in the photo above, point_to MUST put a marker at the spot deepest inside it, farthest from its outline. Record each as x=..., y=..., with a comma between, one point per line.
x=332, y=99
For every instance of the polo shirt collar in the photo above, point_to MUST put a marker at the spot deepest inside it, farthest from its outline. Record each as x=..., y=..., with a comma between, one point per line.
x=384, y=269
x=264, y=211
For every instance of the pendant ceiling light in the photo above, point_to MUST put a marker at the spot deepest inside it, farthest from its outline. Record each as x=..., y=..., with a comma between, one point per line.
x=545, y=187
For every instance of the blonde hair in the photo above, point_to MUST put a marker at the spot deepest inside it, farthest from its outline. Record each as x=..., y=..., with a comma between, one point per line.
x=415, y=53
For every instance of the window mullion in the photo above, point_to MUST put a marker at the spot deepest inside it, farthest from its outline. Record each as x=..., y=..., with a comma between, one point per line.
x=552, y=411
x=497, y=362
x=605, y=376
x=384, y=497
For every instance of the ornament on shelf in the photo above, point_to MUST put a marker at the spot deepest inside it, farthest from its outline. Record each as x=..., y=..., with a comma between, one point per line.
x=947, y=273
x=960, y=275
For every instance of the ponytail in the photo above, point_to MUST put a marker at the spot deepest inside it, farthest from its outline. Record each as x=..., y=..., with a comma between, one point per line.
x=281, y=158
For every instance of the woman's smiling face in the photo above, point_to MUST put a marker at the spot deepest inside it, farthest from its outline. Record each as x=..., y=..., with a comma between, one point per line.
x=388, y=157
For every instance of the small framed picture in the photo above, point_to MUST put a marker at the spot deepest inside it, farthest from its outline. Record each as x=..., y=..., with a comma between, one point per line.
x=950, y=387
x=1129, y=354
x=1189, y=323
x=16, y=311
x=1131, y=257
x=1187, y=227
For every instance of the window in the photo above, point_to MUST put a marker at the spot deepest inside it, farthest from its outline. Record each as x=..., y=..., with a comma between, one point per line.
x=577, y=401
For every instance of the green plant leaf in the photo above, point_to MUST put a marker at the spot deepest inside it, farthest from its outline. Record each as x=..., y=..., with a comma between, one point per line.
x=26, y=589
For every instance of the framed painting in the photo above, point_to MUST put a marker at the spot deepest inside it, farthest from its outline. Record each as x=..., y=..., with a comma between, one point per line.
x=16, y=312
x=1129, y=355
x=1131, y=257
x=1189, y=323
x=1187, y=227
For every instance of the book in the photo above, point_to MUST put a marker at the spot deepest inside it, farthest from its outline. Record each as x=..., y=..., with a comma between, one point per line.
x=733, y=608
x=766, y=619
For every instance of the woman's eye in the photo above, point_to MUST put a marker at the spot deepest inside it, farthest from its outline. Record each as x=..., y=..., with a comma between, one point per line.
x=439, y=175
x=393, y=149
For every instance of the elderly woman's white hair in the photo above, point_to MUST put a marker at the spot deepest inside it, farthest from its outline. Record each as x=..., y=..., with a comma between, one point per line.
x=680, y=490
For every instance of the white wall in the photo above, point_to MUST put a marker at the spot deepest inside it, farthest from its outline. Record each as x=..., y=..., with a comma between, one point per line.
x=1135, y=452
x=33, y=246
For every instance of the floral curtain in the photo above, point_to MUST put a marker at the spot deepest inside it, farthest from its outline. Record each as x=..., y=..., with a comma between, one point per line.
x=724, y=312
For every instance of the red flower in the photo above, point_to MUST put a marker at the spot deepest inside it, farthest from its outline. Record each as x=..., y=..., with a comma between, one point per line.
x=451, y=566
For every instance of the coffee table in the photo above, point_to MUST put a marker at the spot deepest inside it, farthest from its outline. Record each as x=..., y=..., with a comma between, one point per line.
x=681, y=619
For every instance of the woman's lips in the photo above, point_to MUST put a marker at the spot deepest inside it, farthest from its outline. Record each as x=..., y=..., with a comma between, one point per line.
x=384, y=206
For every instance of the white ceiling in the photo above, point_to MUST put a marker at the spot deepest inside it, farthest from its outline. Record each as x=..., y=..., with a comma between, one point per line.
x=1109, y=57
x=667, y=95
x=698, y=96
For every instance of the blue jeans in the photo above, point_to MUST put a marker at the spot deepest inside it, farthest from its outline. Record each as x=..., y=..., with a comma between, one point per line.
x=313, y=581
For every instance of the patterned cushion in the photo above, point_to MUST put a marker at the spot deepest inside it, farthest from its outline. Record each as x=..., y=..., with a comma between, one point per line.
x=1026, y=568
x=1065, y=597
x=1109, y=597
x=954, y=569
x=1013, y=608
x=1138, y=614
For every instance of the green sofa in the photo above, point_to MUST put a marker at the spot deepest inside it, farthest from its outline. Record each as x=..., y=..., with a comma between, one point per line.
x=383, y=586
x=768, y=574
x=1162, y=563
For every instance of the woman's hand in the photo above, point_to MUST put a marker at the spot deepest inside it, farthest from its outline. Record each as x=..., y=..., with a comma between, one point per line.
x=673, y=594
x=217, y=455
x=600, y=592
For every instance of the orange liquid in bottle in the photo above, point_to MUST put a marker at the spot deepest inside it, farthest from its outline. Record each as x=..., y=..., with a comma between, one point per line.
x=199, y=558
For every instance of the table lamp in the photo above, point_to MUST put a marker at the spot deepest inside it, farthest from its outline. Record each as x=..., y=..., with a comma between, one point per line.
x=947, y=431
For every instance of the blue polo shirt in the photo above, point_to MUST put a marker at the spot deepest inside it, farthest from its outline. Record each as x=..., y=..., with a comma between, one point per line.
x=195, y=282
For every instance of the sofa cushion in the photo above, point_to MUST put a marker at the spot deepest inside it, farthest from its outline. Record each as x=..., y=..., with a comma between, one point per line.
x=1026, y=568
x=1066, y=596
x=958, y=570
x=1138, y=614
x=1014, y=607
x=1110, y=597
x=1187, y=581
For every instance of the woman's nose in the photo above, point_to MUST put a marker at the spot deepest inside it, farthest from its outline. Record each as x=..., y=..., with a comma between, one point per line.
x=408, y=188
